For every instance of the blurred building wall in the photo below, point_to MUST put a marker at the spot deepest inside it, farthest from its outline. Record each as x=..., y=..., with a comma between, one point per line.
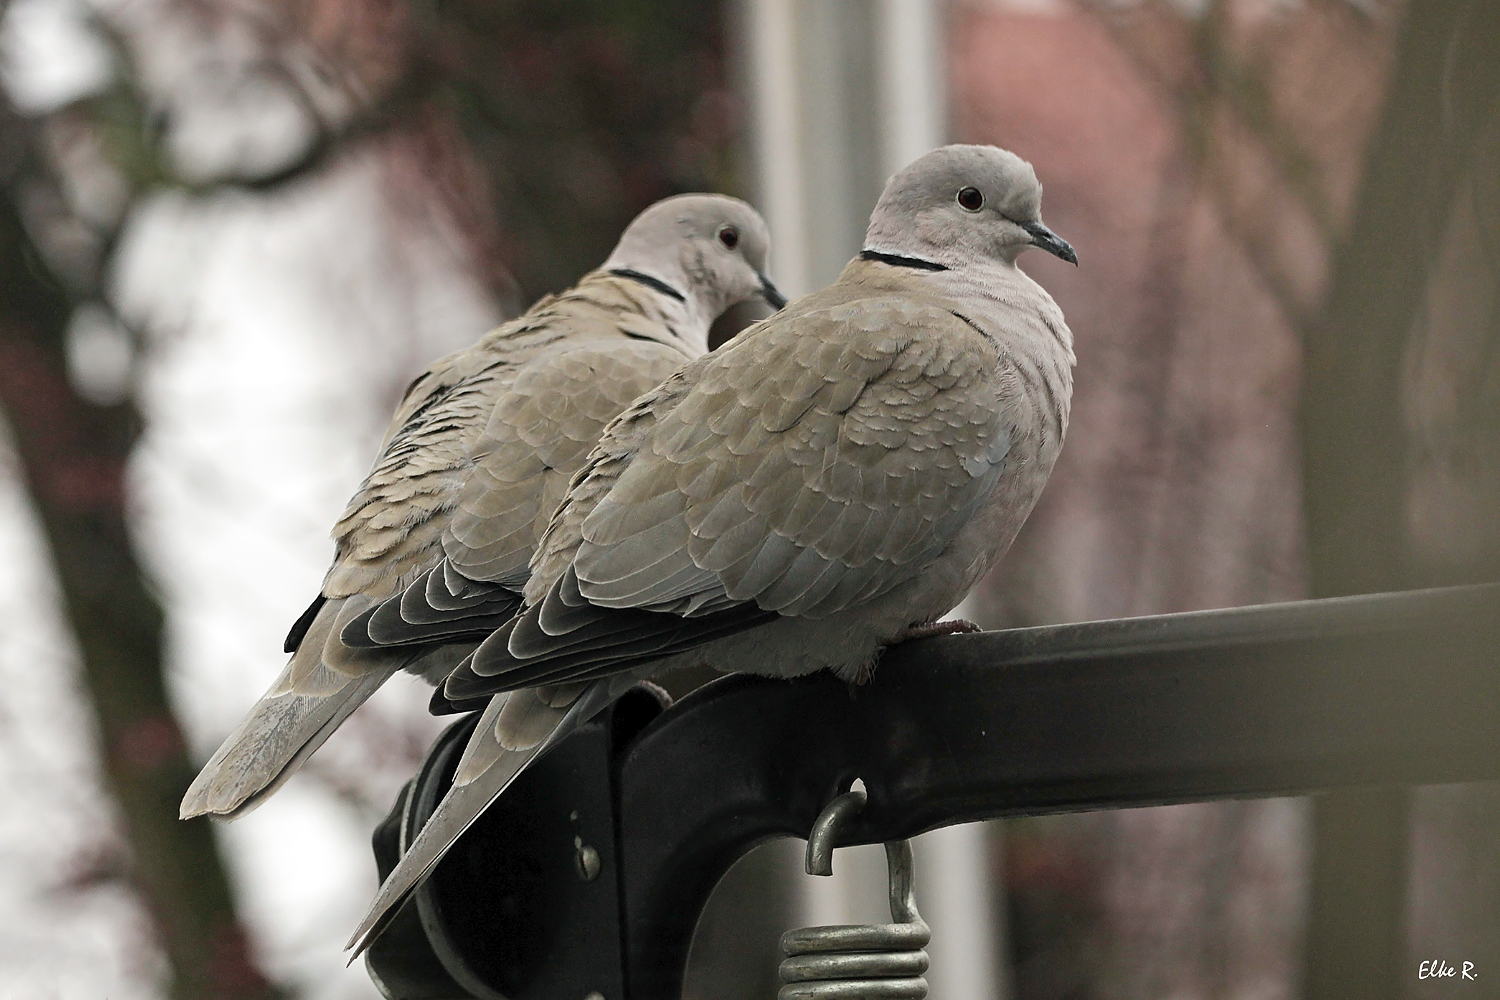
x=1177, y=489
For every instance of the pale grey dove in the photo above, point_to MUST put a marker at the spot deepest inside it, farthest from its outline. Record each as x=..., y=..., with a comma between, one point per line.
x=476, y=458
x=831, y=481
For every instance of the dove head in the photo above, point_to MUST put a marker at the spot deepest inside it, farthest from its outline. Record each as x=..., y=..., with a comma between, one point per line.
x=709, y=249
x=960, y=204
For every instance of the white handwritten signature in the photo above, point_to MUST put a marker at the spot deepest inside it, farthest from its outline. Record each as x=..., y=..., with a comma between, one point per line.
x=1440, y=969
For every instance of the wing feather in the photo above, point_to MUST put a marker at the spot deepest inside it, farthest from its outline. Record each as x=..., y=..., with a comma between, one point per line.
x=542, y=431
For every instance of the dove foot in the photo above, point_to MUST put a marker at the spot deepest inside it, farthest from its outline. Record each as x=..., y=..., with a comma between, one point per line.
x=927, y=631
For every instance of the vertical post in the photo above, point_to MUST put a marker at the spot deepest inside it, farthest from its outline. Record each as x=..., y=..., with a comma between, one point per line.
x=913, y=81
x=839, y=109
x=963, y=903
x=776, y=135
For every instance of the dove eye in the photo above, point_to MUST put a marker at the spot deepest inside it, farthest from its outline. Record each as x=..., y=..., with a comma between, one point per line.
x=730, y=237
x=970, y=200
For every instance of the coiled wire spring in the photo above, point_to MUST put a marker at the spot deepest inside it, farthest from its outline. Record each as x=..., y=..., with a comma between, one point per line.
x=857, y=961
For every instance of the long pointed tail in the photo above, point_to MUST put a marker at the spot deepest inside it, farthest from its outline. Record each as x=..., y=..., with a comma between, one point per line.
x=307, y=703
x=279, y=734
x=516, y=728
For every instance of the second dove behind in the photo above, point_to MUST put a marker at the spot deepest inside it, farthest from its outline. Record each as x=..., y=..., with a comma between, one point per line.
x=477, y=456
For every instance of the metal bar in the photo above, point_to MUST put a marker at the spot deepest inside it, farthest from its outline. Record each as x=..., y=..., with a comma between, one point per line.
x=1273, y=700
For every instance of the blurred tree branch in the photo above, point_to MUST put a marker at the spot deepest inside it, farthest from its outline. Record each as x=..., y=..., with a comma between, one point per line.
x=583, y=112
x=73, y=454
x=1220, y=95
x=1446, y=83
x=1242, y=87
x=559, y=120
x=1357, y=454
x=125, y=116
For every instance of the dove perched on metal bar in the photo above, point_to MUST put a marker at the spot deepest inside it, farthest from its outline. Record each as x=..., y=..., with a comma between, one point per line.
x=477, y=456
x=831, y=481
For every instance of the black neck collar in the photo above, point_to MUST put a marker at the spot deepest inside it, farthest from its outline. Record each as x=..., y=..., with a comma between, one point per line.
x=896, y=260
x=649, y=282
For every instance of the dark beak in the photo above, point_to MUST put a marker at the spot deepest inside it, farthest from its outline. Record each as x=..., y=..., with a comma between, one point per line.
x=772, y=295
x=1045, y=239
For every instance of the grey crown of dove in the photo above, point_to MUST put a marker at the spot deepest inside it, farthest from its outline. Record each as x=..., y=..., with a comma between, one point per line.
x=831, y=481
x=477, y=456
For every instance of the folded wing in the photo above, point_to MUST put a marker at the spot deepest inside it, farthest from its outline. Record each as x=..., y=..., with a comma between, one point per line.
x=539, y=434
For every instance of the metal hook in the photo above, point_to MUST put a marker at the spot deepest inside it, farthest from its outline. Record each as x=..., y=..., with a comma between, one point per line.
x=857, y=960
x=825, y=831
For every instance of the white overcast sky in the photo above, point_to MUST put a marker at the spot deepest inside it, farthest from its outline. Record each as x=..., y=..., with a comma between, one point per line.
x=282, y=329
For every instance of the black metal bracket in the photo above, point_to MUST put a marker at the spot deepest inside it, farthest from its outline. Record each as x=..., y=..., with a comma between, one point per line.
x=1273, y=700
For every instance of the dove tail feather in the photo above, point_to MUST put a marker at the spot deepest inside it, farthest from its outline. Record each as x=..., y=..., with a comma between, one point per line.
x=485, y=771
x=323, y=683
x=300, y=711
x=278, y=735
x=385, y=627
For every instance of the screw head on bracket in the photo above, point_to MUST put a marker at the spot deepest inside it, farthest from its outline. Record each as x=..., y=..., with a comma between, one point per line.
x=586, y=861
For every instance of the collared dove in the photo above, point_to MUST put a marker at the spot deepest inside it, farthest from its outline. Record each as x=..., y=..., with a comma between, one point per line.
x=831, y=481
x=477, y=456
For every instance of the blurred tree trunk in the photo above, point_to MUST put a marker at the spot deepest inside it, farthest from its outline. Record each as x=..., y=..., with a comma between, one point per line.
x=73, y=455
x=1356, y=453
